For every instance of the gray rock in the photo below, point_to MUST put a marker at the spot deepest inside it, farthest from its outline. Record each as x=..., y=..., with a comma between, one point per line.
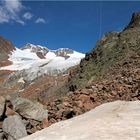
x=14, y=128
x=29, y=109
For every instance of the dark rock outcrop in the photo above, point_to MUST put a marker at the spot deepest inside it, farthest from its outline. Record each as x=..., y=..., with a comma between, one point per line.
x=63, y=52
x=135, y=21
x=40, y=51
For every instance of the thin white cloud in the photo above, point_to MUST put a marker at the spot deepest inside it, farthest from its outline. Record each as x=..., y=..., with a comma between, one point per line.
x=9, y=11
x=40, y=20
x=20, y=21
x=27, y=16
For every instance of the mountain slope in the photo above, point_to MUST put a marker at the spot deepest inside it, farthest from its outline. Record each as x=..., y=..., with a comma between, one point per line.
x=109, y=72
x=111, y=50
x=6, y=48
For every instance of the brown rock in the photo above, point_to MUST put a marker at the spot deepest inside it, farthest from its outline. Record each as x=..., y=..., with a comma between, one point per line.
x=79, y=103
x=33, y=122
x=89, y=105
x=10, y=112
x=67, y=104
x=1, y=124
x=84, y=98
x=45, y=123
x=32, y=130
x=120, y=88
x=51, y=121
x=94, y=95
x=86, y=91
x=38, y=127
x=77, y=92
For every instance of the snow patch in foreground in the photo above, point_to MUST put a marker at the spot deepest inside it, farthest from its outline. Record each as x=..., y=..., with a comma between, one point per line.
x=118, y=120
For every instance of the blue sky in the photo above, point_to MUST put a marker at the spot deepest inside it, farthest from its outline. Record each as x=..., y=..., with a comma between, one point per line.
x=56, y=24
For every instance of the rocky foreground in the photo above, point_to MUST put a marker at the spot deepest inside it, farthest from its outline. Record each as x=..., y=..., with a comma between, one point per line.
x=21, y=117
x=110, y=121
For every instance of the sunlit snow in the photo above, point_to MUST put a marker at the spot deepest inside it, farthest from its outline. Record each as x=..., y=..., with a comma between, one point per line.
x=25, y=59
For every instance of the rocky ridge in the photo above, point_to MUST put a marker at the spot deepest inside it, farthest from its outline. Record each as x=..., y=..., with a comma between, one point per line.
x=41, y=51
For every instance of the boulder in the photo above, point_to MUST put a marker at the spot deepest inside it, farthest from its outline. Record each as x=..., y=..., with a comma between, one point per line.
x=29, y=109
x=14, y=128
x=110, y=121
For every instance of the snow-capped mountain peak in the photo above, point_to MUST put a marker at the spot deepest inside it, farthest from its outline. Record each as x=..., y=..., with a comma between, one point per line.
x=39, y=50
x=43, y=52
x=36, y=58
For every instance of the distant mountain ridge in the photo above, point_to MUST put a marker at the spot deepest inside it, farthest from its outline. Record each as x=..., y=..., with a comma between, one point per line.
x=41, y=51
x=38, y=60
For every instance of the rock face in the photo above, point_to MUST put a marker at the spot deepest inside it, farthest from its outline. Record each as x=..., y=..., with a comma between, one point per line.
x=111, y=121
x=6, y=48
x=40, y=51
x=14, y=128
x=63, y=52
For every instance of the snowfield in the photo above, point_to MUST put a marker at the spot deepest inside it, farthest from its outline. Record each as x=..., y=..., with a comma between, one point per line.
x=27, y=60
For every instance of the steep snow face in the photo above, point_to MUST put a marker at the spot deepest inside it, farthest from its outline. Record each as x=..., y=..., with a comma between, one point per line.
x=76, y=55
x=56, y=61
x=50, y=55
x=23, y=54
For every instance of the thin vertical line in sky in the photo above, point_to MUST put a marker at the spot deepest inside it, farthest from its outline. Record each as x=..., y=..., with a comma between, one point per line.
x=100, y=20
